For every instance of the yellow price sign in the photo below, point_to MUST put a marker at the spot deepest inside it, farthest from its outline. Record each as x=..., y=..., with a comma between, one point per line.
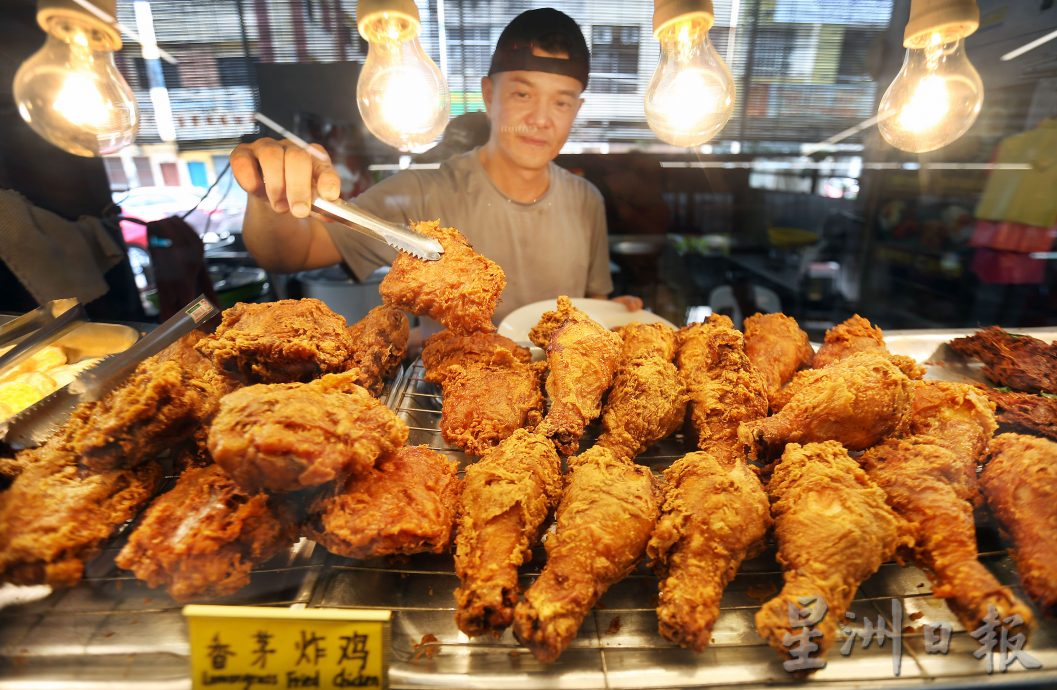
x=257, y=647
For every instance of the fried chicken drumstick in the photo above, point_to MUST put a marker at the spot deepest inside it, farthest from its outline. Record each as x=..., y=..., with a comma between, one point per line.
x=506, y=496
x=834, y=529
x=1020, y=484
x=460, y=290
x=777, y=348
x=605, y=518
x=859, y=335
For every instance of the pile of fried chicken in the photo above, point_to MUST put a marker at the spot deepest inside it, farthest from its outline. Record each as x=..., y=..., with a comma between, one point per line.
x=270, y=429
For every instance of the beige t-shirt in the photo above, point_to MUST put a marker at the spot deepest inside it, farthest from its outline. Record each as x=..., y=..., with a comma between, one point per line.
x=554, y=246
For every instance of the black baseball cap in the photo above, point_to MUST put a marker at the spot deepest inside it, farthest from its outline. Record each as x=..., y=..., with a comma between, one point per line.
x=549, y=30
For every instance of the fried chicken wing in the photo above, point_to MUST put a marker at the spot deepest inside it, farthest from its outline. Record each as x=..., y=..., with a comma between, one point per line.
x=461, y=290
x=1020, y=484
x=834, y=529
x=605, y=518
x=724, y=388
x=583, y=358
x=405, y=505
x=201, y=539
x=858, y=402
x=647, y=403
x=506, y=496
x=777, y=348
x=714, y=514
x=859, y=335
x=446, y=349
x=956, y=416
x=642, y=339
x=280, y=342
x=934, y=489
x=289, y=436
x=379, y=343
x=1026, y=412
x=1019, y=361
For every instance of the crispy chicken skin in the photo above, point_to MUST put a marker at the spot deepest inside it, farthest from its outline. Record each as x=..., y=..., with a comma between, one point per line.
x=485, y=403
x=957, y=416
x=858, y=402
x=460, y=290
x=642, y=339
x=286, y=437
x=583, y=358
x=859, y=335
x=714, y=514
x=56, y=514
x=777, y=348
x=834, y=529
x=605, y=518
x=1020, y=362
x=405, y=505
x=201, y=539
x=934, y=489
x=506, y=496
x=1020, y=484
x=725, y=390
x=646, y=404
x=280, y=342
x=379, y=343
x=446, y=349
x=1026, y=412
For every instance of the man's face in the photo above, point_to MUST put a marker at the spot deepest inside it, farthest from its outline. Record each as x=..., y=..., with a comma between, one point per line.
x=531, y=113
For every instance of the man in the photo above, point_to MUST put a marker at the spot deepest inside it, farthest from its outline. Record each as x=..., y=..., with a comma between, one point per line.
x=543, y=225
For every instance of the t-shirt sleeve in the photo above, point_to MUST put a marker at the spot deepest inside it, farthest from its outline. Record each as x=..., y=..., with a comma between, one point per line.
x=396, y=199
x=599, y=277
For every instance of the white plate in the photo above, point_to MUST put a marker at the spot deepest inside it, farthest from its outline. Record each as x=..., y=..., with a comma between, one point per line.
x=519, y=322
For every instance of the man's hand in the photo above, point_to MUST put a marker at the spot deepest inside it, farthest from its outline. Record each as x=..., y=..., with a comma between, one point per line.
x=284, y=175
x=631, y=302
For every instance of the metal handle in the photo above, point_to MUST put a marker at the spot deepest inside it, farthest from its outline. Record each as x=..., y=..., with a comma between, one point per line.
x=51, y=320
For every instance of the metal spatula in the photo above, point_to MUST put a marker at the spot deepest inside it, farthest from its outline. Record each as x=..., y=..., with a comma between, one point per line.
x=396, y=236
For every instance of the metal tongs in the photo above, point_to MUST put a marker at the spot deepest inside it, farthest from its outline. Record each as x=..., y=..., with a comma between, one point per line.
x=35, y=329
x=397, y=236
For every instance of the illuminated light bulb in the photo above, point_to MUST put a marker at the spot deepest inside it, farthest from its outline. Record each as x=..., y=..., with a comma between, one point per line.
x=402, y=95
x=691, y=95
x=71, y=92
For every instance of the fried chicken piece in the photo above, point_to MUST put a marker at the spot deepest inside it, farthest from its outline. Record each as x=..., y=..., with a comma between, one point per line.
x=446, y=349
x=289, y=436
x=1026, y=412
x=934, y=489
x=1020, y=362
x=484, y=404
x=379, y=343
x=647, y=403
x=724, y=388
x=647, y=339
x=956, y=416
x=834, y=529
x=1020, y=484
x=714, y=514
x=605, y=518
x=460, y=290
x=201, y=539
x=506, y=496
x=56, y=514
x=777, y=348
x=859, y=335
x=583, y=358
x=858, y=402
x=280, y=342
x=405, y=505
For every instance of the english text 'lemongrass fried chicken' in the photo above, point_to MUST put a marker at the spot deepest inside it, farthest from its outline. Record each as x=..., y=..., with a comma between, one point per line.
x=605, y=517
x=714, y=514
x=583, y=358
x=858, y=335
x=280, y=342
x=834, y=529
x=460, y=290
x=934, y=489
x=405, y=505
x=379, y=343
x=287, y=437
x=858, y=402
x=1020, y=484
x=777, y=348
x=201, y=539
x=725, y=389
x=506, y=496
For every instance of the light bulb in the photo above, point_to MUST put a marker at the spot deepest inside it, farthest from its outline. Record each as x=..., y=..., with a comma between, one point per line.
x=402, y=94
x=72, y=94
x=934, y=99
x=691, y=95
